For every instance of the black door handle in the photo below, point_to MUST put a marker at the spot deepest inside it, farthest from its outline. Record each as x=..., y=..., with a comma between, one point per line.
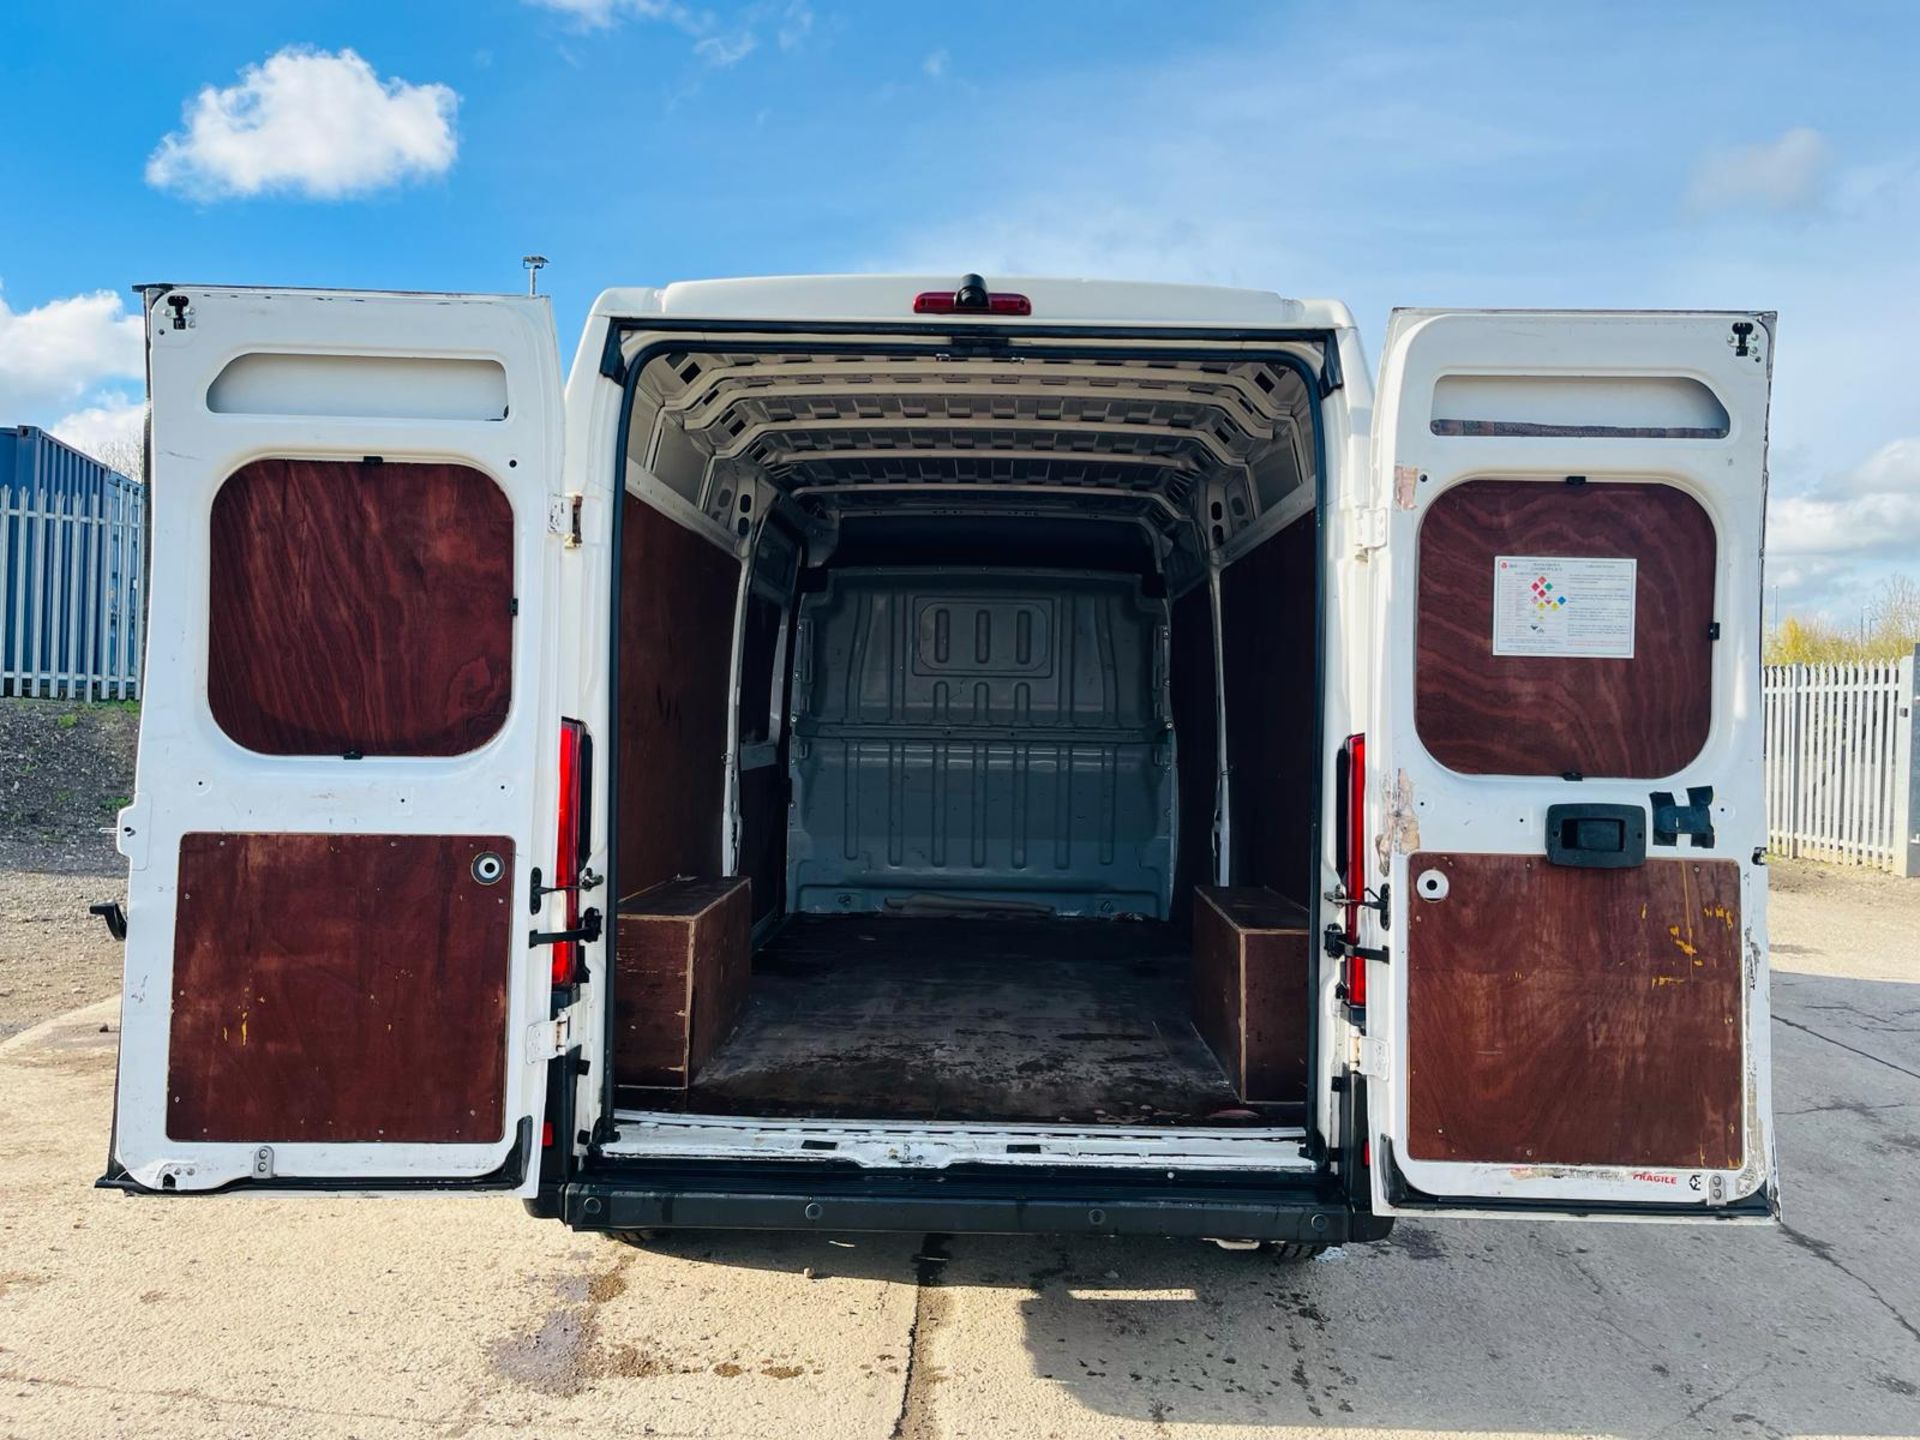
x=1597, y=837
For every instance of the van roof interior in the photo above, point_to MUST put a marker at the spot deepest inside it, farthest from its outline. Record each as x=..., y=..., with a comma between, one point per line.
x=1194, y=452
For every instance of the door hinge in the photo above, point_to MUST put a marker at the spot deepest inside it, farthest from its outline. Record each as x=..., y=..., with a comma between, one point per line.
x=1369, y=1056
x=1369, y=530
x=550, y=1039
x=263, y=1163
x=563, y=518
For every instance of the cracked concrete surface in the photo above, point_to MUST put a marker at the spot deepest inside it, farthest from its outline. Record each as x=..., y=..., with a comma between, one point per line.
x=436, y=1317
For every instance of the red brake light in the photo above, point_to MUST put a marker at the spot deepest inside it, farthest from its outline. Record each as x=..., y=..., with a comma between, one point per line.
x=572, y=840
x=943, y=302
x=1356, y=857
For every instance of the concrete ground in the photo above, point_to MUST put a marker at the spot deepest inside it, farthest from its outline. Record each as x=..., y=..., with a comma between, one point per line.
x=248, y=1317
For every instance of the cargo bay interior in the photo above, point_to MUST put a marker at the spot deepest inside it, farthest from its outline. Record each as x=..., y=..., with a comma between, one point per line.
x=1003, y=645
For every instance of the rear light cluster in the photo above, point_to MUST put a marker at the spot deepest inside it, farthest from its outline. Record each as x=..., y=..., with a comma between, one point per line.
x=573, y=842
x=1353, y=880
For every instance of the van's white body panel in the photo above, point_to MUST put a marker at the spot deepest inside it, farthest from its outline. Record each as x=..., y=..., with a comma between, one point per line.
x=888, y=299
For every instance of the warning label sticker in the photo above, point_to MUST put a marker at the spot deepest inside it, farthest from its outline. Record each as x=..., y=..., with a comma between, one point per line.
x=1554, y=605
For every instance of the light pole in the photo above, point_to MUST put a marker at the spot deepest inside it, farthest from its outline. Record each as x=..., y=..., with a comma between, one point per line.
x=534, y=265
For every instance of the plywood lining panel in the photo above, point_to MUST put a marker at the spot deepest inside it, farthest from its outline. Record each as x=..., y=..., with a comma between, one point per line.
x=676, y=647
x=360, y=607
x=1267, y=644
x=1569, y=1016
x=1487, y=714
x=340, y=988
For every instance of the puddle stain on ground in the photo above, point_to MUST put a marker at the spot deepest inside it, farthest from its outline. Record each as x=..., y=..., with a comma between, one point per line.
x=567, y=1353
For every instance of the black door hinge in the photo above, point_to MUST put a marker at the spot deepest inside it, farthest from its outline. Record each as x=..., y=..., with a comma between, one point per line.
x=588, y=930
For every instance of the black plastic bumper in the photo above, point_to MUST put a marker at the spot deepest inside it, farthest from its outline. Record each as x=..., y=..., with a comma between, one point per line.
x=969, y=1200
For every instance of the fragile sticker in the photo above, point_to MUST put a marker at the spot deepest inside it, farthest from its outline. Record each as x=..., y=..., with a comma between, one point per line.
x=1563, y=606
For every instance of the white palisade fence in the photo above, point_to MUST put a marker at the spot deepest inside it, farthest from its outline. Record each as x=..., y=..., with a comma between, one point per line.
x=71, y=564
x=1841, y=776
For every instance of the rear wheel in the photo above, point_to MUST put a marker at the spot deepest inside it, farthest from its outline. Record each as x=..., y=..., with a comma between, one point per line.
x=642, y=1239
x=1289, y=1252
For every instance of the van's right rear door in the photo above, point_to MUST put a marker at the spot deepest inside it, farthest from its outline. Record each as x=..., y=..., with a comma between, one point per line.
x=1564, y=752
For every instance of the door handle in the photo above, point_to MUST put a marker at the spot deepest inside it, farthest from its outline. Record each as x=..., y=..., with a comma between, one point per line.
x=1597, y=837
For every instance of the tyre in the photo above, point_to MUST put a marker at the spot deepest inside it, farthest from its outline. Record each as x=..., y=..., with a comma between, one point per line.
x=640, y=1239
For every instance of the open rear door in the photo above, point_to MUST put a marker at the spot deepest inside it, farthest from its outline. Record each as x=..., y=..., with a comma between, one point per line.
x=349, y=730
x=1565, y=769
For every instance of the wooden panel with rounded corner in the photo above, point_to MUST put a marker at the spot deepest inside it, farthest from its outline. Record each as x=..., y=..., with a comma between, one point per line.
x=1486, y=714
x=360, y=607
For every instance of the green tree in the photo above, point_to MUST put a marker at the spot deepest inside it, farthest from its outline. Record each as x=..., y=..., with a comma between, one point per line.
x=1890, y=629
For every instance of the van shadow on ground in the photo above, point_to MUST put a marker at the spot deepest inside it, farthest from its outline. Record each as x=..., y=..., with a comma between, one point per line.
x=1472, y=1326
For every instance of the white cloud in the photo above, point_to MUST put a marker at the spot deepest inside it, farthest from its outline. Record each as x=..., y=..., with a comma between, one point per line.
x=722, y=51
x=600, y=14
x=54, y=354
x=722, y=48
x=796, y=24
x=1790, y=173
x=935, y=65
x=113, y=430
x=1873, y=509
x=311, y=123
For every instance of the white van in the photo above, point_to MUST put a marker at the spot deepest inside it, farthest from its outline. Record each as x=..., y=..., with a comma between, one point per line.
x=915, y=753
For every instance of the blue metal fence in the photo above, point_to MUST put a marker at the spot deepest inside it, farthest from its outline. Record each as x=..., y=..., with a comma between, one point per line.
x=71, y=571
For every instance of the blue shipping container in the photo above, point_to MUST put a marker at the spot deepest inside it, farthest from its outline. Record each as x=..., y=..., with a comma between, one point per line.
x=72, y=533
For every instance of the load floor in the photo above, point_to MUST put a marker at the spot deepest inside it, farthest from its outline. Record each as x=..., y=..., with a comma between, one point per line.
x=969, y=1019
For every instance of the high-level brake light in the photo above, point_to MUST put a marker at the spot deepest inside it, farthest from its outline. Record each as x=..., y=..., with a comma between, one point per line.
x=971, y=297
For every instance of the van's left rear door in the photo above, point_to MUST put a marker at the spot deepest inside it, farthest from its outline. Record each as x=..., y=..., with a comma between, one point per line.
x=348, y=732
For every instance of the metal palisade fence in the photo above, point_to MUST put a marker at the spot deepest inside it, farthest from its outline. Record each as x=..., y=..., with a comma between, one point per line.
x=1841, y=774
x=72, y=537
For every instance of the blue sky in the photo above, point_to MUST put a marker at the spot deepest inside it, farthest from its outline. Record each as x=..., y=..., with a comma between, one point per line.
x=1740, y=155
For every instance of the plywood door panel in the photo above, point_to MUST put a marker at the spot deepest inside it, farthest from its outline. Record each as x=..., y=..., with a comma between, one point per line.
x=1568, y=1016
x=339, y=987
x=1487, y=714
x=360, y=607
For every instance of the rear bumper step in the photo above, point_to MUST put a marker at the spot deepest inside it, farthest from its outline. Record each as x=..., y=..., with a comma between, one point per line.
x=978, y=1201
